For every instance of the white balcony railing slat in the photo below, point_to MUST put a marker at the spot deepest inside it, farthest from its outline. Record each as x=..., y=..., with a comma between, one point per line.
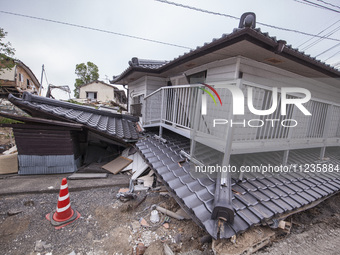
x=176, y=106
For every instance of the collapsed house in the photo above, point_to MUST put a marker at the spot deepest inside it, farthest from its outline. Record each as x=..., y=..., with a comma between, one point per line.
x=102, y=92
x=188, y=105
x=18, y=79
x=190, y=135
x=61, y=136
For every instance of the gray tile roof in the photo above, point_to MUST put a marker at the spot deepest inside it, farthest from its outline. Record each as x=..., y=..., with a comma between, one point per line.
x=146, y=63
x=110, y=124
x=250, y=34
x=256, y=199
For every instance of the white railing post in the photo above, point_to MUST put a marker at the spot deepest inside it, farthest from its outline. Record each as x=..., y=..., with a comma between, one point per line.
x=195, y=122
x=225, y=176
x=162, y=105
x=161, y=116
x=328, y=121
x=174, y=107
x=145, y=119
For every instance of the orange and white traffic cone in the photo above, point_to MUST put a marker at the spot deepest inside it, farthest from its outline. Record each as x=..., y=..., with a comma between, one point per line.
x=64, y=214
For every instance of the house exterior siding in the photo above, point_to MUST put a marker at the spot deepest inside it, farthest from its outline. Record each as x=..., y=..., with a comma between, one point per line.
x=104, y=92
x=24, y=81
x=18, y=80
x=139, y=89
x=232, y=80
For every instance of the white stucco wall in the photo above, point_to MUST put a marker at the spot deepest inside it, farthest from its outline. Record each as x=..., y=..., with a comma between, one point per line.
x=104, y=92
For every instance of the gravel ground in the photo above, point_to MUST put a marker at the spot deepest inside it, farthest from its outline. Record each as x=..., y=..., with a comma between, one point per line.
x=314, y=232
x=108, y=226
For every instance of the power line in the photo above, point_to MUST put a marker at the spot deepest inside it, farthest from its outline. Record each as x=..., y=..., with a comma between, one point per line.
x=233, y=17
x=322, y=6
x=318, y=34
x=336, y=53
x=320, y=39
x=96, y=29
x=333, y=5
x=198, y=9
x=338, y=44
x=301, y=2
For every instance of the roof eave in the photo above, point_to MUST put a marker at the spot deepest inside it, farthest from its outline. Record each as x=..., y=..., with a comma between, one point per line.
x=29, y=71
x=248, y=34
x=121, y=79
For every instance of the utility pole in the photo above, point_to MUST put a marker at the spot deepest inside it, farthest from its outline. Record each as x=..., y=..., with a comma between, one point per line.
x=42, y=75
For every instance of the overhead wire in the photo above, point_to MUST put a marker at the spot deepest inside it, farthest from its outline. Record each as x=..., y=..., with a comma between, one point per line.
x=321, y=39
x=233, y=17
x=338, y=44
x=96, y=29
x=318, y=34
x=333, y=5
x=301, y=2
x=332, y=56
x=319, y=5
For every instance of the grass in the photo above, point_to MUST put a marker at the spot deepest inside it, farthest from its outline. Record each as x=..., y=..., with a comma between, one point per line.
x=4, y=120
x=73, y=101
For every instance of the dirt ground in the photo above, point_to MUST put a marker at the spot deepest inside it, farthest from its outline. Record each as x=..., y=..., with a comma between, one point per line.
x=109, y=226
x=315, y=231
x=106, y=226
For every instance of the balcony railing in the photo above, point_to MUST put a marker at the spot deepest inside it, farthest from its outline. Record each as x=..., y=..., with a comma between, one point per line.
x=178, y=108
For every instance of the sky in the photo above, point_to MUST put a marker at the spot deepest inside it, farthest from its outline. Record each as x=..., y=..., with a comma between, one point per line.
x=61, y=47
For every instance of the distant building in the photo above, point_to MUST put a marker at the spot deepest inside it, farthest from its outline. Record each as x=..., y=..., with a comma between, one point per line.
x=17, y=80
x=102, y=92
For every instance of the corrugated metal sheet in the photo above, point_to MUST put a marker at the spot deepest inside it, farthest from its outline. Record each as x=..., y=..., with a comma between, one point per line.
x=257, y=198
x=50, y=164
x=43, y=142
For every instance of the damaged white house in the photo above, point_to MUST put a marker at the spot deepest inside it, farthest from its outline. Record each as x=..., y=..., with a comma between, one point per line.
x=243, y=101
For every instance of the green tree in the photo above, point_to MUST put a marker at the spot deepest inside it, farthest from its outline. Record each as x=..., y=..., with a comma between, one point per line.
x=86, y=73
x=6, y=52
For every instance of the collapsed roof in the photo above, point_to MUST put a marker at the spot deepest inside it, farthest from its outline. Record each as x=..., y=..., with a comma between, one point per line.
x=256, y=199
x=114, y=126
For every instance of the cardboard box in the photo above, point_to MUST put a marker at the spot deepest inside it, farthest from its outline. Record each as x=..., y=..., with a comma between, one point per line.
x=9, y=163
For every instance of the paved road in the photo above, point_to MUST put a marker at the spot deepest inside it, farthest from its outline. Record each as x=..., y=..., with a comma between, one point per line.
x=16, y=184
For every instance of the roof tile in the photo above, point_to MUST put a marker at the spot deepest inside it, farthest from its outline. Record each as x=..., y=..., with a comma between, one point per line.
x=120, y=127
x=256, y=199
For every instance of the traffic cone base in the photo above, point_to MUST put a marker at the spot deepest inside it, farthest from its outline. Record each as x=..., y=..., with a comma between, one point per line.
x=64, y=214
x=60, y=224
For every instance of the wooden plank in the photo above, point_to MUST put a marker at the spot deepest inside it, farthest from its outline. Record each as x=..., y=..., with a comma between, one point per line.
x=80, y=176
x=92, y=168
x=118, y=164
